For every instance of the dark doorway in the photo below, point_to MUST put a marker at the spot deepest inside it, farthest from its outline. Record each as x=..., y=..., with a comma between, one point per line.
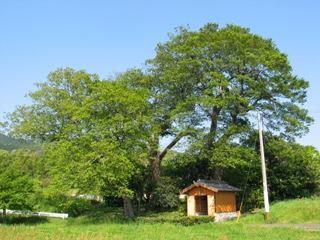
x=201, y=205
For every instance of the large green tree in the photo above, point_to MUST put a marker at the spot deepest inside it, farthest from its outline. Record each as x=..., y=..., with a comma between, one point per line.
x=202, y=86
x=208, y=84
x=93, y=132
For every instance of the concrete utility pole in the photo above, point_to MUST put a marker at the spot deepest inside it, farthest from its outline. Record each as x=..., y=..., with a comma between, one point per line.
x=267, y=214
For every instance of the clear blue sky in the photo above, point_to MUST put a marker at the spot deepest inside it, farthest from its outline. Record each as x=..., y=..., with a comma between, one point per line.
x=107, y=37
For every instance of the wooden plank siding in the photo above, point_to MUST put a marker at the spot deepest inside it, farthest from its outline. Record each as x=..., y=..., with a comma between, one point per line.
x=200, y=191
x=225, y=202
x=209, y=200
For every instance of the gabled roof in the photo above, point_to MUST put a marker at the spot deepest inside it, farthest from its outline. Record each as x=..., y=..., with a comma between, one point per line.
x=213, y=185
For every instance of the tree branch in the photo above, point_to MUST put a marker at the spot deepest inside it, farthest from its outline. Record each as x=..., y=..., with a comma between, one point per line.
x=172, y=144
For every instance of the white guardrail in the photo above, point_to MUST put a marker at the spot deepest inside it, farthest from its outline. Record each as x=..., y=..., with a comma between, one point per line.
x=41, y=214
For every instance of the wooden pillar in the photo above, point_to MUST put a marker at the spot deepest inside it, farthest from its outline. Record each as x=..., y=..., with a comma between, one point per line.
x=211, y=205
x=191, y=206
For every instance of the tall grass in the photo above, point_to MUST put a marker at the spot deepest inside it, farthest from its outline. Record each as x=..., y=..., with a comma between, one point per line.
x=110, y=225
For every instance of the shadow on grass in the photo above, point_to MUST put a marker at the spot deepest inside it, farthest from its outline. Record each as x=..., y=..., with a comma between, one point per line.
x=115, y=216
x=18, y=219
x=101, y=216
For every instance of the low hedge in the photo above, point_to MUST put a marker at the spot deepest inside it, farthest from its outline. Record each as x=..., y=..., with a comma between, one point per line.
x=181, y=220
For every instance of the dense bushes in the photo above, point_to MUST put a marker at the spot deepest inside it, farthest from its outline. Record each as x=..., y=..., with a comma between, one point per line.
x=73, y=206
x=293, y=170
x=166, y=194
x=18, y=185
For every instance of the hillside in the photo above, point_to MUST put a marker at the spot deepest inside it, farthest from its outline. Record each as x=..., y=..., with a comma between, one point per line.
x=304, y=210
x=9, y=143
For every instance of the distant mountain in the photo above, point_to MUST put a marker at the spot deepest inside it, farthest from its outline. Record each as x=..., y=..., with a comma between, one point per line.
x=9, y=143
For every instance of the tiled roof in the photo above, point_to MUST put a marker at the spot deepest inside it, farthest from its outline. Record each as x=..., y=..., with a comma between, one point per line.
x=212, y=185
x=220, y=185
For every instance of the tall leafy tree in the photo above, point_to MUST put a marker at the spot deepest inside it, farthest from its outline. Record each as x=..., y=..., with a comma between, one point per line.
x=203, y=86
x=212, y=81
x=93, y=132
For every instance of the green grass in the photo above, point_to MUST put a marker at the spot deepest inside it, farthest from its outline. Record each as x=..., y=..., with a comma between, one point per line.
x=305, y=210
x=63, y=229
x=110, y=225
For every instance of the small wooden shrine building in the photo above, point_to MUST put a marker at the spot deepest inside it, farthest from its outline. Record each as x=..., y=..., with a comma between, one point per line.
x=209, y=197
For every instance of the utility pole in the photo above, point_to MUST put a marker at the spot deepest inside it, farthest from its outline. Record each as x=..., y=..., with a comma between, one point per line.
x=267, y=214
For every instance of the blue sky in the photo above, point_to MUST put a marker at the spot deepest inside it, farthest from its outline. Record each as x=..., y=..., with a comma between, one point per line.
x=107, y=37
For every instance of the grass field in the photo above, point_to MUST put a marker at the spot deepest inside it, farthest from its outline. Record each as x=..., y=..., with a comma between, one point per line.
x=305, y=210
x=109, y=226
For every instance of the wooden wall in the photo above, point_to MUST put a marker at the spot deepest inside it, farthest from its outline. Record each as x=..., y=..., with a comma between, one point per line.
x=217, y=202
x=225, y=202
x=200, y=191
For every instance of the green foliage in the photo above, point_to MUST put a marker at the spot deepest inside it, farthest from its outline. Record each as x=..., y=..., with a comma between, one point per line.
x=293, y=169
x=204, y=87
x=92, y=131
x=166, y=194
x=201, y=89
x=59, y=201
x=220, y=76
x=17, y=184
x=73, y=206
x=196, y=163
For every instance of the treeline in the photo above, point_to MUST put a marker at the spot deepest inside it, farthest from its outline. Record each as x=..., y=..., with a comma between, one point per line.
x=8, y=143
x=146, y=133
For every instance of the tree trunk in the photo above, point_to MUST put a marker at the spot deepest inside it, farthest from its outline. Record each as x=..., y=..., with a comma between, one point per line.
x=128, y=208
x=218, y=172
x=213, y=126
x=156, y=168
x=154, y=158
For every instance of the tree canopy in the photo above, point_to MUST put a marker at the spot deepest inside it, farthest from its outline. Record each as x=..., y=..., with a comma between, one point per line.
x=202, y=89
x=92, y=129
x=210, y=83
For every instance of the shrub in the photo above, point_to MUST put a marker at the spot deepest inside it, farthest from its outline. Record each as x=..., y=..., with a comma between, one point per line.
x=68, y=204
x=17, y=186
x=166, y=194
x=180, y=220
